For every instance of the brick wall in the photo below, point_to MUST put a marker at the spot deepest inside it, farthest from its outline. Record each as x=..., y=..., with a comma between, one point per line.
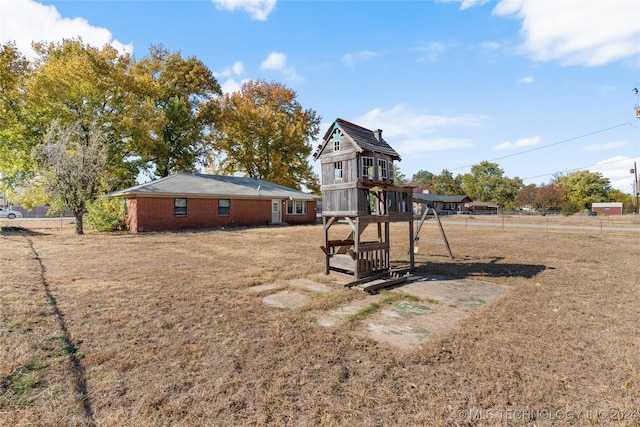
x=308, y=218
x=157, y=214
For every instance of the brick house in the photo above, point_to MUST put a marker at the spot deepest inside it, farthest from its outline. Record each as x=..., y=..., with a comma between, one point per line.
x=190, y=201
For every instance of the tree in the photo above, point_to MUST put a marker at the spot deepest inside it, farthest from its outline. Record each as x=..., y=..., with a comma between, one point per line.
x=78, y=85
x=486, y=182
x=181, y=98
x=17, y=134
x=71, y=84
x=551, y=196
x=423, y=177
x=398, y=177
x=73, y=169
x=584, y=188
x=264, y=132
x=527, y=196
x=506, y=192
x=446, y=185
x=616, y=195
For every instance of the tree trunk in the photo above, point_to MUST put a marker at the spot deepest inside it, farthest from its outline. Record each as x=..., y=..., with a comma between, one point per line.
x=79, y=222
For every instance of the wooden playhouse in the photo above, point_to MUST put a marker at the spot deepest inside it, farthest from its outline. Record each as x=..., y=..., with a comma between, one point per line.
x=358, y=188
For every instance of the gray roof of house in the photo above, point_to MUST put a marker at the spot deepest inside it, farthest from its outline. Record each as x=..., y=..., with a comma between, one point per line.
x=363, y=138
x=203, y=185
x=422, y=197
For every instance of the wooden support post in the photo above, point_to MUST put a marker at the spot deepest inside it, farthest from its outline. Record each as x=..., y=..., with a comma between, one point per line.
x=326, y=223
x=356, y=246
x=444, y=240
x=444, y=237
x=387, y=259
x=411, y=246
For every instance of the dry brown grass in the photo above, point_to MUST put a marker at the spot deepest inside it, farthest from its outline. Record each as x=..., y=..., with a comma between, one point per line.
x=158, y=329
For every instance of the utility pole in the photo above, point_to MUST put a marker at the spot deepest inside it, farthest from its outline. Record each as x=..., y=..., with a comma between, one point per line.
x=636, y=189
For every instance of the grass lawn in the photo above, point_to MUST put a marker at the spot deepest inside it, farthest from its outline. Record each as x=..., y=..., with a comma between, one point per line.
x=158, y=329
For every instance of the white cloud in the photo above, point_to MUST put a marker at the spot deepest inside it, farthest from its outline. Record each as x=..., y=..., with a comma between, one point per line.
x=490, y=46
x=350, y=59
x=230, y=85
x=523, y=142
x=466, y=4
x=236, y=69
x=413, y=147
x=278, y=62
x=258, y=9
x=526, y=80
x=431, y=52
x=606, y=146
x=590, y=33
x=617, y=170
x=26, y=21
x=275, y=61
x=414, y=132
x=401, y=120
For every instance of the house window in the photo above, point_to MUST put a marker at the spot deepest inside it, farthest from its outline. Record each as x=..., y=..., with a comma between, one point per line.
x=296, y=207
x=367, y=168
x=224, y=206
x=337, y=170
x=180, y=207
x=382, y=169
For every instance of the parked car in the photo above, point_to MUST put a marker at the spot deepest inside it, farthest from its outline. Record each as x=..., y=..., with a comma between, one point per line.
x=9, y=213
x=593, y=213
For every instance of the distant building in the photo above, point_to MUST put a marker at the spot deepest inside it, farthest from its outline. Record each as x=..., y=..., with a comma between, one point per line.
x=442, y=204
x=610, y=208
x=478, y=208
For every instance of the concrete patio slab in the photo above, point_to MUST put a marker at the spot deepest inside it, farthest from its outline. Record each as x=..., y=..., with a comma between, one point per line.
x=309, y=285
x=286, y=299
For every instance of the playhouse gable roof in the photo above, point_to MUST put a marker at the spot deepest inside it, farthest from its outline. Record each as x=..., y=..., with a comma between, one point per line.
x=363, y=139
x=203, y=185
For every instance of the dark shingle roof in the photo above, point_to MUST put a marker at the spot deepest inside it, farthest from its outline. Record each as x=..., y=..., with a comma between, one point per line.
x=203, y=185
x=422, y=197
x=364, y=138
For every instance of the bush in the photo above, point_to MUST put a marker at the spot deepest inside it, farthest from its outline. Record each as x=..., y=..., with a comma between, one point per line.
x=569, y=207
x=106, y=214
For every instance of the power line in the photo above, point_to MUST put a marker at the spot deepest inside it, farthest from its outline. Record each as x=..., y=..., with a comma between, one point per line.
x=549, y=145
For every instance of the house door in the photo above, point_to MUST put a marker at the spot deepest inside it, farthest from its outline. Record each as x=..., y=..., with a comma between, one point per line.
x=276, y=212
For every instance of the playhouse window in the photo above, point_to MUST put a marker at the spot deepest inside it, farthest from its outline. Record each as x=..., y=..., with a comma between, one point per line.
x=337, y=170
x=296, y=207
x=180, y=207
x=336, y=145
x=382, y=169
x=224, y=207
x=367, y=168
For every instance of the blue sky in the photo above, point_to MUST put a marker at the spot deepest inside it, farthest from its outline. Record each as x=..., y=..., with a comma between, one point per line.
x=539, y=87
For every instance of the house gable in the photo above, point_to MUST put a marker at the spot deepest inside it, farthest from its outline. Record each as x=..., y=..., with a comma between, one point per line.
x=361, y=139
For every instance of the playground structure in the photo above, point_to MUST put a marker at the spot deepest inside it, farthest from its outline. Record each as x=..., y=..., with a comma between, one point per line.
x=358, y=189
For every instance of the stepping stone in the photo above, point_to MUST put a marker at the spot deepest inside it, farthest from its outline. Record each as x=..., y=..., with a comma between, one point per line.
x=457, y=292
x=286, y=299
x=263, y=287
x=309, y=285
